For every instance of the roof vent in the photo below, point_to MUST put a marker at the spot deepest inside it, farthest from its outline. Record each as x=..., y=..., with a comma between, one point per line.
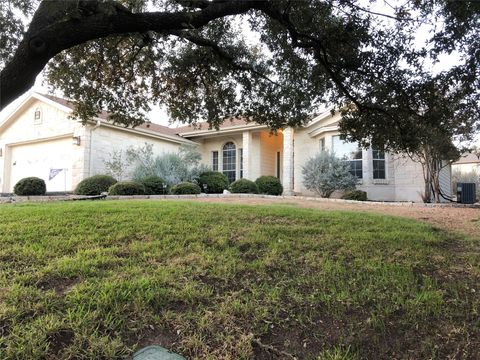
x=37, y=117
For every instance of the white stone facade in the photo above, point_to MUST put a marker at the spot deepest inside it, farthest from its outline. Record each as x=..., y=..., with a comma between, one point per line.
x=32, y=147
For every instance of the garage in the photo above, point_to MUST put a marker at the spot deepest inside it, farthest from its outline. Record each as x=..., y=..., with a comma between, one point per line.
x=49, y=160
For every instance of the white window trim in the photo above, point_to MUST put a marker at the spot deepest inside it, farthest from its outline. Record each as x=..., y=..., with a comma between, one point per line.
x=379, y=181
x=220, y=158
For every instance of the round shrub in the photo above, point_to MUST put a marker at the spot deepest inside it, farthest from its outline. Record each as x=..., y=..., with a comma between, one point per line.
x=269, y=185
x=358, y=195
x=30, y=186
x=244, y=186
x=185, y=188
x=95, y=185
x=215, y=182
x=154, y=185
x=126, y=188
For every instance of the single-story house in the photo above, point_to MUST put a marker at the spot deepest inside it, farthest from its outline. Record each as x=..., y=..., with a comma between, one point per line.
x=39, y=139
x=467, y=164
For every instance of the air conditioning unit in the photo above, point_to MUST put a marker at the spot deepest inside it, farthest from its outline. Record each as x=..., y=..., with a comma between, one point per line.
x=466, y=193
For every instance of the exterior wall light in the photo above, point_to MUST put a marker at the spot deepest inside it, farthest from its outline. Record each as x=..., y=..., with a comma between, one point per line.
x=76, y=140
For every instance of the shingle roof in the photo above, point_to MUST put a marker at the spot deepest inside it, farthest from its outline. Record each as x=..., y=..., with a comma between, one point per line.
x=468, y=158
x=164, y=130
x=161, y=129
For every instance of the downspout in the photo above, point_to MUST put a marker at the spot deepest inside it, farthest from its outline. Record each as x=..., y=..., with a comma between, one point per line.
x=90, y=165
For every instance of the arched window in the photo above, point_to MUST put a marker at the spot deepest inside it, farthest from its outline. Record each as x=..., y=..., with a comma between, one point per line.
x=229, y=161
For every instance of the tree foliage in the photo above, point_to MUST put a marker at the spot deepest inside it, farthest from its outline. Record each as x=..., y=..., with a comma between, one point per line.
x=193, y=57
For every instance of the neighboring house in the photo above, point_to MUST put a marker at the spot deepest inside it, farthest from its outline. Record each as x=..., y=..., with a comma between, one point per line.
x=33, y=144
x=467, y=164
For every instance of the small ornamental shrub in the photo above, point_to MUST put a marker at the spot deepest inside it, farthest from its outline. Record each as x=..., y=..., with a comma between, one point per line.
x=30, y=186
x=154, y=185
x=325, y=173
x=95, y=185
x=126, y=188
x=244, y=186
x=185, y=188
x=358, y=195
x=213, y=182
x=174, y=168
x=269, y=185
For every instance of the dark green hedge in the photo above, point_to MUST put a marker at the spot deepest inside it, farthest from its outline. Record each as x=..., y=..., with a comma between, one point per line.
x=30, y=186
x=358, y=195
x=95, y=185
x=269, y=185
x=126, y=188
x=244, y=186
x=185, y=188
x=154, y=185
x=215, y=182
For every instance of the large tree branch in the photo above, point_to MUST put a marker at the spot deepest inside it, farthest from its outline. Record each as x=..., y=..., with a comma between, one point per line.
x=222, y=54
x=60, y=25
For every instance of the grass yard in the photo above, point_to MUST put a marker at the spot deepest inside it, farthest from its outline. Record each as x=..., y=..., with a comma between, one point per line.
x=96, y=280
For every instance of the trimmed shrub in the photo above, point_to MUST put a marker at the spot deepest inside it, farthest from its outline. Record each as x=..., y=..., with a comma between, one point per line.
x=269, y=185
x=358, y=195
x=30, y=186
x=215, y=181
x=244, y=186
x=185, y=188
x=95, y=185
x=154, y=185
x=126, y=188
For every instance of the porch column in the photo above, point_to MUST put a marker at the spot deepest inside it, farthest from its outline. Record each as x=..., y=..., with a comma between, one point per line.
x=247, y=153
x=288, y=154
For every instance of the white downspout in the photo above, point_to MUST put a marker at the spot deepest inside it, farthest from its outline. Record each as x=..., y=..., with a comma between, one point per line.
x=90, y=165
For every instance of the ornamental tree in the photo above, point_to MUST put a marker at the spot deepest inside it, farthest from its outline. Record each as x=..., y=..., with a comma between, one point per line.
x=193, y=57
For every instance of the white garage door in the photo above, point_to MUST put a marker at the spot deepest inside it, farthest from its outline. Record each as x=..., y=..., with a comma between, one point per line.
x=50, y=160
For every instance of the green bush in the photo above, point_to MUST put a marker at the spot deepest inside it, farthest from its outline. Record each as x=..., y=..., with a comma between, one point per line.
x=154, y=185
x=358, y=195
x=269, y=185
x=215, y=181
x=185, y=188
x=126, y=188
x=30, y=186
x=95, y=185
x=244, y=186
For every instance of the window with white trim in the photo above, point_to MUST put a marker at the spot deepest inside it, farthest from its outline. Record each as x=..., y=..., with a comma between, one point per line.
x=322, y=144
x=241, y=162
x=215, y=160
x=379, y=167
x=229, y=153
x=350, y=152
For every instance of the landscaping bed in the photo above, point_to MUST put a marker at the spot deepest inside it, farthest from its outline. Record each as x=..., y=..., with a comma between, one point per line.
x=99, y=279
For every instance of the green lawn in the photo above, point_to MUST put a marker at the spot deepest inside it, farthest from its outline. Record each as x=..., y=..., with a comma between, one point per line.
x=96, y=280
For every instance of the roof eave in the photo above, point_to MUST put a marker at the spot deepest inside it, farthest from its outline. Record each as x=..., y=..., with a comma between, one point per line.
x=197, y=133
